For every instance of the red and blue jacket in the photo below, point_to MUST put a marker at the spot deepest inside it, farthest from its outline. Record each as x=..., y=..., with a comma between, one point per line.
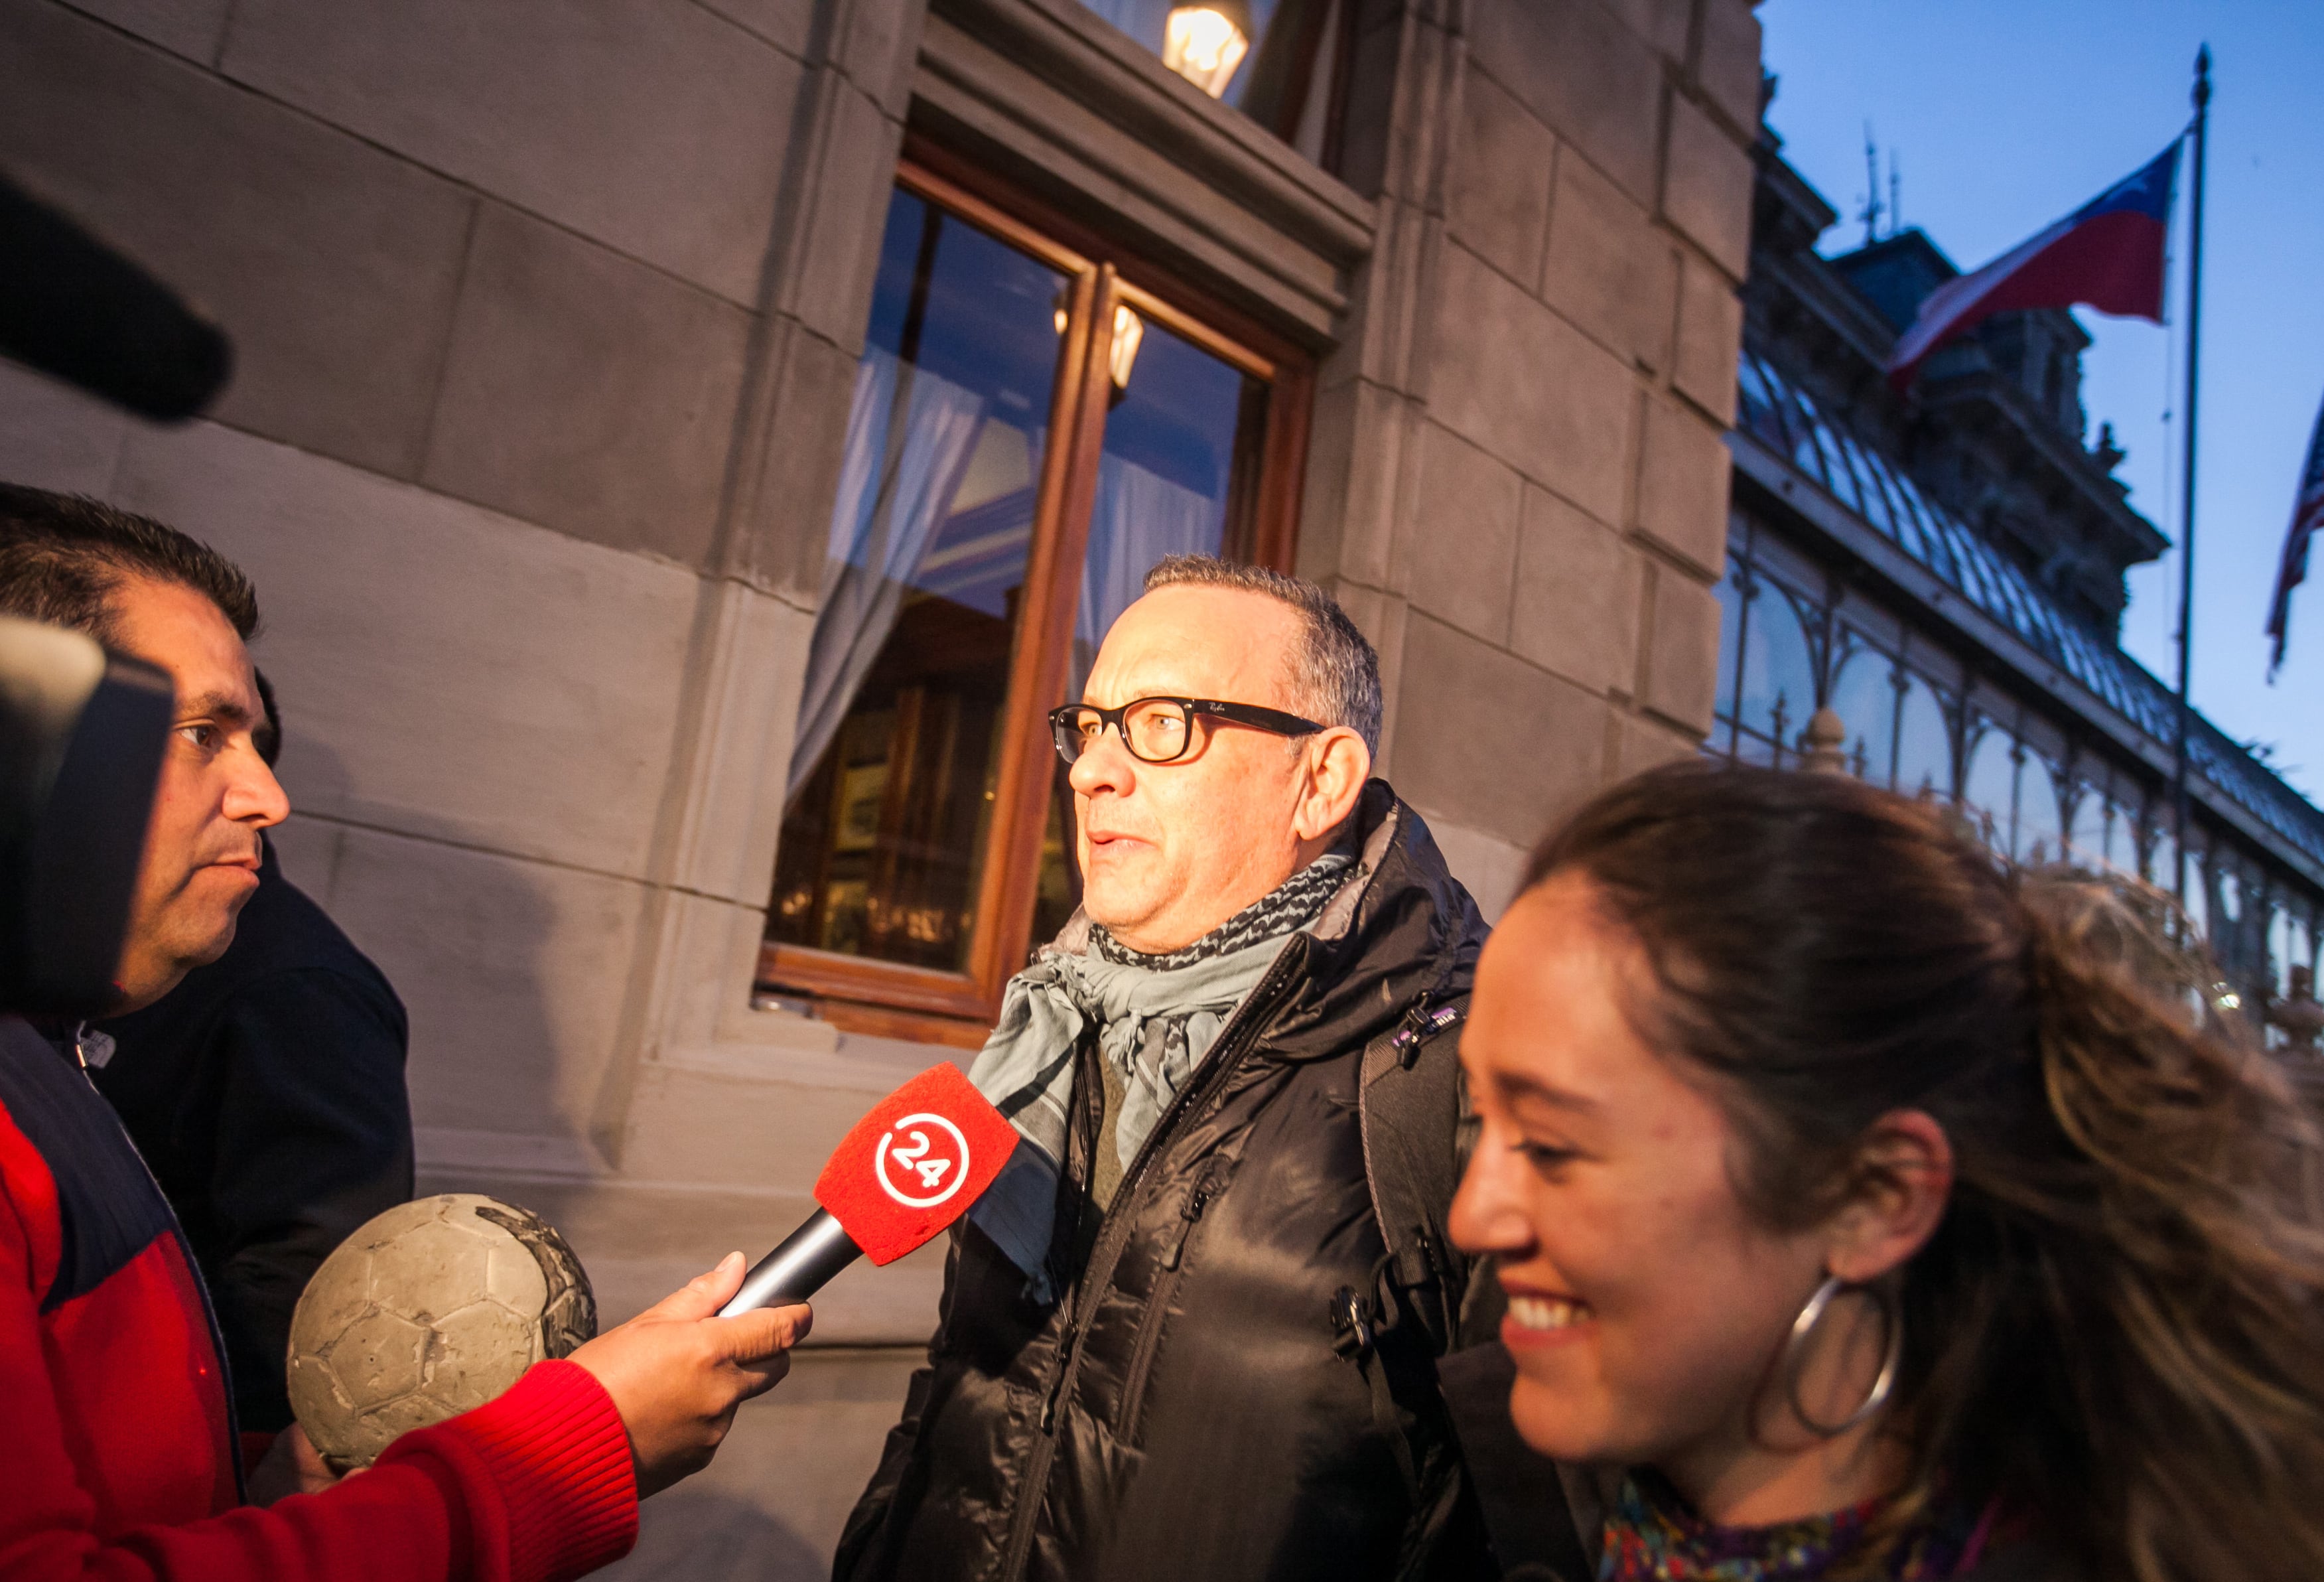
x=118, y=1449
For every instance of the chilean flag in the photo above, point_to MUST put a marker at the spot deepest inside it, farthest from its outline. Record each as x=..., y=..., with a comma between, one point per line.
x=2292, y=568
x=2106, y=255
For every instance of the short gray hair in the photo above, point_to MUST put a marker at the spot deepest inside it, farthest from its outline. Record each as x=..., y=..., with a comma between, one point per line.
x=1334, y=671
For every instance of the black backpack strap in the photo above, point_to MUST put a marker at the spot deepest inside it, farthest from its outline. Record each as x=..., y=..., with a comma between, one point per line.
x=1409, y=1107
x=1416, y=1130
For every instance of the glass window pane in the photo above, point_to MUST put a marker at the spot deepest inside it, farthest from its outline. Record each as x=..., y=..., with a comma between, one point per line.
x=1924, y=752
x=1778, y=680
x=1756, y=403
x=1864, y=698
x=2122, y=835
x=1880, y=505
x=2040, y=833
x=1806, y=424
x=1182, y=440
x=1990, y=787
x=1839, y=464
x=2198, y=900
x=1178, y=470
x=898, y=742
x=2160, y=867
x=1731, y=644
x=2086, y=837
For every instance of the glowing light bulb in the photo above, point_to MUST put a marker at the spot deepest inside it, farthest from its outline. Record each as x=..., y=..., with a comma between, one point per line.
x=1128, y=329
x=1205, y=42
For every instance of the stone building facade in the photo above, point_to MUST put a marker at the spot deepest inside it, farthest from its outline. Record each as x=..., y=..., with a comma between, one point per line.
x=613, y=376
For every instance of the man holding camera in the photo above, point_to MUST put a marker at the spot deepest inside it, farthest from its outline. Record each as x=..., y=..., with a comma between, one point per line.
x=116, y=1449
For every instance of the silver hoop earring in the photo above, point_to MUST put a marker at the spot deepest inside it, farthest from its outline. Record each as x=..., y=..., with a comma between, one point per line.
x=1795, y=1357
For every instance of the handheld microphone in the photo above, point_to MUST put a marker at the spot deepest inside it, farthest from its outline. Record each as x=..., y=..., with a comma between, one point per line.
x=906, y=1171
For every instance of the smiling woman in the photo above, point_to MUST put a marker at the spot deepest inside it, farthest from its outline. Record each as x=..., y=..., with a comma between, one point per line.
x=1792, y=1042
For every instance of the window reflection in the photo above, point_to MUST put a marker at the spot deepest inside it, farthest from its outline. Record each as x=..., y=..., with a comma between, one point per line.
x=1990, y=787
x=899, y=737
x=2040, y=835
x=2122, y=837
x=1181, y=446
x=2161, y=864
x=1778, y=681
x=2086, y=835
x=1731, y=623
x=1865, y=697
x=1924, y=752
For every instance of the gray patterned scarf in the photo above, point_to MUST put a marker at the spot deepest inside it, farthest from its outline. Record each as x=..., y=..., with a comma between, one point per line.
x=1157, y=1016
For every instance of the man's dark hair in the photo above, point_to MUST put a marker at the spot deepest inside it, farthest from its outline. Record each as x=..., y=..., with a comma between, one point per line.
x=1335, y=673
x=63, y=556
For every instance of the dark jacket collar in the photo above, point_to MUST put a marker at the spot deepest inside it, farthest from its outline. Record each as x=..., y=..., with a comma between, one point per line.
x=1401, y=926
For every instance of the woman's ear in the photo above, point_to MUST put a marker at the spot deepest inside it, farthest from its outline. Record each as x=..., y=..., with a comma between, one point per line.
x=1904, y=1180
x=1338, y=764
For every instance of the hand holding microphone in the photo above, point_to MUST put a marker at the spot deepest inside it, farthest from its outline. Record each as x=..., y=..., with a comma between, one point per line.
x=903, y=1174
x=676, y=1373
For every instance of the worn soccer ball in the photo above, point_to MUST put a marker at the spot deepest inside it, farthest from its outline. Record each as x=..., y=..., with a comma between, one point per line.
x=430, y=1309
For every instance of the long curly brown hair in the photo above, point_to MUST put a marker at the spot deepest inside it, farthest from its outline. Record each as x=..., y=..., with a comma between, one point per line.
x=2116, y=1330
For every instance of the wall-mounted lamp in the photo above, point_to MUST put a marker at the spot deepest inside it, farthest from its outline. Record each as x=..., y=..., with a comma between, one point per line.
x=1129, y=332
x=1128, y=329
x=1205, y=41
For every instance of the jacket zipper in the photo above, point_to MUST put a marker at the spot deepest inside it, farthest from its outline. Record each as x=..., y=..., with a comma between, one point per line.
x=1113, y=1236
x=1208, y=1186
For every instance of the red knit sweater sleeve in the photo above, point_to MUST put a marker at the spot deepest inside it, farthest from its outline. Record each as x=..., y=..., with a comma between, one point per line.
x=535, y=1486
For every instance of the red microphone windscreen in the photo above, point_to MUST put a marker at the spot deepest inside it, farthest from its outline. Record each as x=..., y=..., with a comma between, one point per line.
x=914, y=1164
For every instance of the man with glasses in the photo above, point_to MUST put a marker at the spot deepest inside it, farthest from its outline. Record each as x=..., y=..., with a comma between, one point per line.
x=1190, y=1331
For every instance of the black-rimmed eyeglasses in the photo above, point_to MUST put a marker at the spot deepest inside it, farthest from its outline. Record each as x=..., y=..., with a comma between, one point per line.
x=1157, y=730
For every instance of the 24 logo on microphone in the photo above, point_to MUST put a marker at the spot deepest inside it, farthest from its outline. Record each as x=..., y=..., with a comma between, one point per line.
x=921, y=1160
x=909, y=1167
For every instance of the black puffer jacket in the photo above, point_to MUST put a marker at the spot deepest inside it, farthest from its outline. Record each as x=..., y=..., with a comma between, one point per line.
x=1184, y=1411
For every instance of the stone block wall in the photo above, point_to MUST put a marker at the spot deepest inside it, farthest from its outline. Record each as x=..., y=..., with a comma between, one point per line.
x=539, y=312
x=1529, y=472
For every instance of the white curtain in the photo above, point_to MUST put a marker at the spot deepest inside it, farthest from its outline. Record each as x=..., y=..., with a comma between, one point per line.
x=1137, y=519
x=905, y=449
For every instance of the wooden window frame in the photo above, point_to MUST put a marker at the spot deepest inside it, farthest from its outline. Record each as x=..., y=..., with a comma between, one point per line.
x=889, y=999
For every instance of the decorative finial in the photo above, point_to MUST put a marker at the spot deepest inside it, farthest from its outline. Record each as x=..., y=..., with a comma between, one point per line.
x=1821, y=744
x=2203, y=77
x=1872, y=209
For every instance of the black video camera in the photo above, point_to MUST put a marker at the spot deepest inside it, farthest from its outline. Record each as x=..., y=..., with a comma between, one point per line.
x=82, y=730
x=82, y=733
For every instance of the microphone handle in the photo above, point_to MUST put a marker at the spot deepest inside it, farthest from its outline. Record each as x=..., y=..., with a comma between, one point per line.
x=805, y=1262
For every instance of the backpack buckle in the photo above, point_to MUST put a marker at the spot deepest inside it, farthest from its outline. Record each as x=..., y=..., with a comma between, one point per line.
x=1352, y=1323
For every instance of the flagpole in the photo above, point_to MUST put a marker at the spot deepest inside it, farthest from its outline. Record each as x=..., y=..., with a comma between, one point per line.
x=2202, y=97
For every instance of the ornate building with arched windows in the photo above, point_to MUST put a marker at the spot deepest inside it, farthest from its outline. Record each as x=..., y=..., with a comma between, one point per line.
x=1944, y=572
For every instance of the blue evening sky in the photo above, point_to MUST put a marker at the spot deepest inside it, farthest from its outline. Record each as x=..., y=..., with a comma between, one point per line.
x=2008, y=115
